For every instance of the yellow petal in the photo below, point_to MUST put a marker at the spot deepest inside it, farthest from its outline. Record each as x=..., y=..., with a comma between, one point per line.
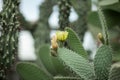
x=62, y=35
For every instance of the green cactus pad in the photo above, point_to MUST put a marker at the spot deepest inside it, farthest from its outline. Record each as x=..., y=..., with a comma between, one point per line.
x=78, y=64
x=44, y=57
x=30, y=71
x=74, y=43
x=102, y=62
x=52, y=64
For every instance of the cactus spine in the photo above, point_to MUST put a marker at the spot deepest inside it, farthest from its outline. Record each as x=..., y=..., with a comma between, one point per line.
x=64, y=10
x=8, y=39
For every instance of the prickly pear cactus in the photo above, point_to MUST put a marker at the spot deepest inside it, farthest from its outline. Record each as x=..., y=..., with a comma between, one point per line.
x=64, y=10
x=9, y=36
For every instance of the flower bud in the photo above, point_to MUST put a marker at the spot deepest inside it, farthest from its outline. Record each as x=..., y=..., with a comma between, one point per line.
x=54, y=43
x=100, y=37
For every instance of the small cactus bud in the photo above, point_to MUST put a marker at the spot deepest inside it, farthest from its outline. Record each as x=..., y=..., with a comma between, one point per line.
x=101, y=38
x=54, y=43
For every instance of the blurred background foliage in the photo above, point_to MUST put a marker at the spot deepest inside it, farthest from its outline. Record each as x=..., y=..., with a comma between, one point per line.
x=87, y=20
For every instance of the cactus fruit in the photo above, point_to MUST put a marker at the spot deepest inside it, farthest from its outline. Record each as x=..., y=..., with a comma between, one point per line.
x=9, y=36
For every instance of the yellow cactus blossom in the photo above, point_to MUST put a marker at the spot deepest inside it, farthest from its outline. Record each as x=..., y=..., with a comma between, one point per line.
x=54, y=43
x=62, y=35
